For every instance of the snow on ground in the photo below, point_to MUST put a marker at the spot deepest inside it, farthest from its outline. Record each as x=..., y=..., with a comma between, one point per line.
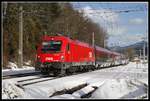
x=28, y=63
x=128, y=81
x=120, y=88
x=10, y=90
x=15, y=70
x=13, y=66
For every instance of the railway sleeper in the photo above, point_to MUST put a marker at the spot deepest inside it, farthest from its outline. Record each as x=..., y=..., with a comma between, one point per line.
x=69, y=91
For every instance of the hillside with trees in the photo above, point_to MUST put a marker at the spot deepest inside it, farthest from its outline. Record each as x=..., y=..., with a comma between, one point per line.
x=44, y=18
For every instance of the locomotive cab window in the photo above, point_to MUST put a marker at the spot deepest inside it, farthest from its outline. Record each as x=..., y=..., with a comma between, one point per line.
x=51, y=46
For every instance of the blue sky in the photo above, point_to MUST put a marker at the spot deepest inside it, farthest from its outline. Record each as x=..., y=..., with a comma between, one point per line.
x=123, y=28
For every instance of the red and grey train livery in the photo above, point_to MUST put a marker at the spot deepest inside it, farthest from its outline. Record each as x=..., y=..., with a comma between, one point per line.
x=61, y=55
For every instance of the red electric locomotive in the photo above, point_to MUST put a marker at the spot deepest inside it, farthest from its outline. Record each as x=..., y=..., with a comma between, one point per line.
x=62, y=55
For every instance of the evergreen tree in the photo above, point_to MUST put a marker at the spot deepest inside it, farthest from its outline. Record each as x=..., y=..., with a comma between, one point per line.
x=45, y=17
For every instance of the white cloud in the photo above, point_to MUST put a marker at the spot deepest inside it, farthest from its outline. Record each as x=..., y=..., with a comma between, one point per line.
x=118, y=34
x=117, y=31
x=100, y=15
x=108, y=19
x=136, y=21
x=126, y=39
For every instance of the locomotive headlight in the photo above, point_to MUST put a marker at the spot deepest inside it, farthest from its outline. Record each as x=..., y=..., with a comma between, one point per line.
x=62, y=57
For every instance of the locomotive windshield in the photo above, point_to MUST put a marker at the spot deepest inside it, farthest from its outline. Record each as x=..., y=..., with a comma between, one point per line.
x=51, y=46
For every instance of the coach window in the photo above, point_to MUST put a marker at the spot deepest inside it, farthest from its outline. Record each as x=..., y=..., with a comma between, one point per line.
x=68, y=47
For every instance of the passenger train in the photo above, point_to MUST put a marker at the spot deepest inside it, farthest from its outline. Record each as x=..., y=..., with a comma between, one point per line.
x=61, y=56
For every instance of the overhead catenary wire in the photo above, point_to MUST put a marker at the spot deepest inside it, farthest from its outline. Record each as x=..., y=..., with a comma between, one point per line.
x=109, y=13
x=94, y=13
x=107, y=23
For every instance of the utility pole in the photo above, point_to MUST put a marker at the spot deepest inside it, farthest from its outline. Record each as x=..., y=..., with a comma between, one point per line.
x=5, y=7
x=20, y=59
x=67, y=32
x=93, y=44
x=144, y=52
x=140, y=54
x=93, y=40
x=2, y=14
x=104, y=43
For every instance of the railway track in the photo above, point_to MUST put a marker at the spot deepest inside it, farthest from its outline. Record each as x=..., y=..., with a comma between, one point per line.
x=30, y=74
x=29, y=78
x=20, y=75
x=34, y=81
x=36, y=77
